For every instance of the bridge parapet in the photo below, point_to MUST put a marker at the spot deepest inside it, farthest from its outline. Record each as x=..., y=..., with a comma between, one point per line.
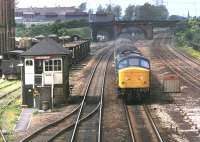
x=107, y=22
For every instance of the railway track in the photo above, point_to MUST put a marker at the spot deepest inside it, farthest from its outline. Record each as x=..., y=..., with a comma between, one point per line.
x=8, y=99
x=88, y=116
x=187, y=56
x=68, y=121
x=6, y=84
x=2, y=137
x=141, y=125
x=190, y=77
x=8, y=93
x=179, y=66
x=129, y=123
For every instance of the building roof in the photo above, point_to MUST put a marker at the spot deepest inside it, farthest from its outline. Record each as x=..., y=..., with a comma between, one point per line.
x=45, y=10
x=78, y=13
x=46, y=47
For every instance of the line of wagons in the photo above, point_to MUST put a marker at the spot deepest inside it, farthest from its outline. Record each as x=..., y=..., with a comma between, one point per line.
x=10, y=63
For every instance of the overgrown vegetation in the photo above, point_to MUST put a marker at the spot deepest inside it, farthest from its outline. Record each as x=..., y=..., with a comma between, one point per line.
x=192, y=52
x=188, y=32
x=10, y=105
x=187, y=36
x=69, y=28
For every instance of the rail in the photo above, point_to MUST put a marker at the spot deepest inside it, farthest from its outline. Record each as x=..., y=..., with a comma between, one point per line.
x=129, y=122
x=11, y=100
x=8, y=93
x=3, y=137
x=7, y=85
x=152, y=123
x=99, y=105
x=181, y=73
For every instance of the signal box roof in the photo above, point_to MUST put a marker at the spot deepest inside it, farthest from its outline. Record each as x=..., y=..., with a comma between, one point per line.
x=46, y=47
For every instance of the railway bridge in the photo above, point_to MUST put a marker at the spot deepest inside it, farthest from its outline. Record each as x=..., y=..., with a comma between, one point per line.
x=101, y=23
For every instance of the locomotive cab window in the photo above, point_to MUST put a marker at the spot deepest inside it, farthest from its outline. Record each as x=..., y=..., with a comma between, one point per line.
x=123, y=64
x=134, y=62
x=144, y=63
x=29, y=62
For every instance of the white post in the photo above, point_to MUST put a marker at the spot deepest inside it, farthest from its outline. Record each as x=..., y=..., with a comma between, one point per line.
x=52, y=88
x=34, y=101
x=21, y=68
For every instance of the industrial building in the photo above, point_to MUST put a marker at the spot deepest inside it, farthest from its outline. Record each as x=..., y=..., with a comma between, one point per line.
x=7, y=26
x=35, y=15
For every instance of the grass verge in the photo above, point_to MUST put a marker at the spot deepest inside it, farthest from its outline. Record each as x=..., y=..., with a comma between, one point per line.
x=10, y=116
x=191, y=51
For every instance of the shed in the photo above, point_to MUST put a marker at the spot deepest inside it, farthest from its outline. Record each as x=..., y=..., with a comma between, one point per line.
x=45, y=74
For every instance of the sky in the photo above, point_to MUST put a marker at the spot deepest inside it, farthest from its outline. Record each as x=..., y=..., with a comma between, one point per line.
x=177, y=7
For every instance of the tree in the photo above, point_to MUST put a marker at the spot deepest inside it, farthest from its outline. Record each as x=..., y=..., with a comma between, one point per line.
x=111, y=10
x=130, y=12
x=161, y=12
x=90, y=11
x=100, y=10
x=82, y=7
x=151, y=12
x=47, y=29
x=114, y=10
x=108, y=9
x=117, y=11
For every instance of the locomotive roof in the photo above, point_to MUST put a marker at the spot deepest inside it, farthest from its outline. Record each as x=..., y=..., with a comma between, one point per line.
x=46, y=47
x=125, y=48
x=132, y=55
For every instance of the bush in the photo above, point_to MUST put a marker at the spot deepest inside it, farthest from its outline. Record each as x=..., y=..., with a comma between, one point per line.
x=58, y=28
x=188, y=32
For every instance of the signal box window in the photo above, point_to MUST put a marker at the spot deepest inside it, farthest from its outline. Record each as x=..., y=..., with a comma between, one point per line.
x=29, y=62
x=57, y=65
x=53, y=65
x=48, y=65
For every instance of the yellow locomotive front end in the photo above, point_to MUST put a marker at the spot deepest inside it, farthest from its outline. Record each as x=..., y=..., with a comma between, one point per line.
x=133, y=78
x=133, y=74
